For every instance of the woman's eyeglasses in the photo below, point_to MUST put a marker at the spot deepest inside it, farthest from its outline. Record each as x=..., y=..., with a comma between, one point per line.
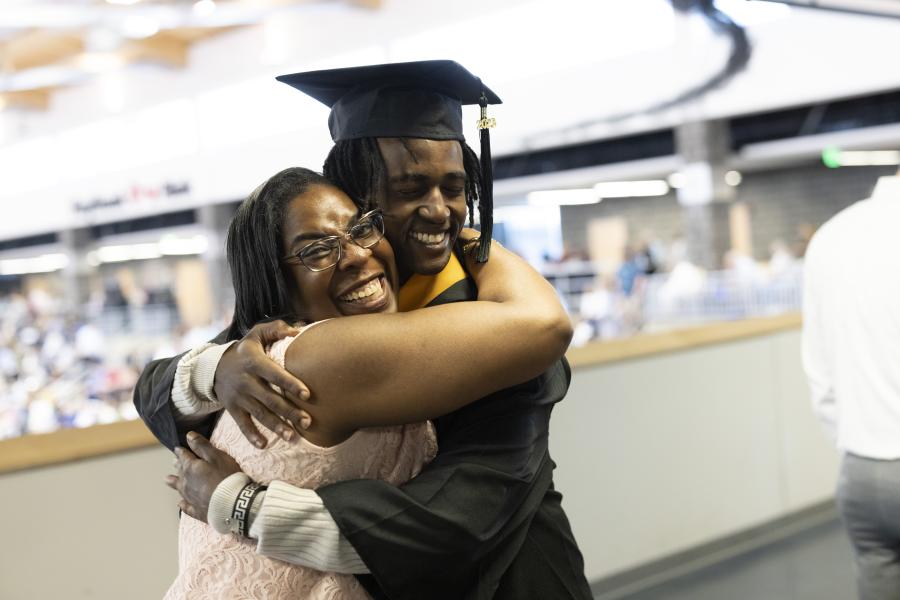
x=325, y=252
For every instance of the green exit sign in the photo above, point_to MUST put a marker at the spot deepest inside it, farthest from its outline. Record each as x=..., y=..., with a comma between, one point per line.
x=831, y=157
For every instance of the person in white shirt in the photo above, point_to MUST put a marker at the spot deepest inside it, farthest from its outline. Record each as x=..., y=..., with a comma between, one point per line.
x=851, y=354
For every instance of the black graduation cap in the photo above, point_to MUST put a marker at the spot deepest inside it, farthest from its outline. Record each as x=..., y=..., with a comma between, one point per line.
x=420, y=99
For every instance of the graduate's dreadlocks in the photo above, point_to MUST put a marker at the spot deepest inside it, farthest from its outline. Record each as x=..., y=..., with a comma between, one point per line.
x=357, y=167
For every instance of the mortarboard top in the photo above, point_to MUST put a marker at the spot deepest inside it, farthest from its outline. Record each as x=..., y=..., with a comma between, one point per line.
x=420, y=99
x=415, y=99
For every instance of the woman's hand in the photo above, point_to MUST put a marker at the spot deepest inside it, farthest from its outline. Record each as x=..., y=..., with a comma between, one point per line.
x=242, y=385
x=469, y=239
x=198, y=472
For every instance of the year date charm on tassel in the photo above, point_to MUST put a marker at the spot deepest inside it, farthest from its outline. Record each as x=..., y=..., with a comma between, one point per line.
x=486, y=122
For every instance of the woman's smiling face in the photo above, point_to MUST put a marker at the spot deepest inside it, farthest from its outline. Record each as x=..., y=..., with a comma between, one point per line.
x=363, y=281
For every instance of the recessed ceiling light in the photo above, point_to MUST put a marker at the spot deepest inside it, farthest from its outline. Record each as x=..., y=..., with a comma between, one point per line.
x=676, y=180
x=204, y=8
x=102, y=38
x=733, y=178
x=139, y=27
x=632, y=189
x=563, y=197
x=45, y=263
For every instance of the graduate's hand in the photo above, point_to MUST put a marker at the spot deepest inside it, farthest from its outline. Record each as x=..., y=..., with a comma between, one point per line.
x=242, y=385
x=198, y=472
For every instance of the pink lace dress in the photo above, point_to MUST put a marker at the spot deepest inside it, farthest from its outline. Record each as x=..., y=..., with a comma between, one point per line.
x=219, y=567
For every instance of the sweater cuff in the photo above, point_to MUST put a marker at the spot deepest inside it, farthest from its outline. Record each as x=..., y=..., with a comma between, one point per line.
x=204, y=372
x=192, y=391
x=221, y=504
x=293, y=525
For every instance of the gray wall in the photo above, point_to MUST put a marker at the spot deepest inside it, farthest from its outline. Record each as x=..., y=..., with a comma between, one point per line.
x=103, y=528
x=664, y=453
x=662, y=215
x=779, y=200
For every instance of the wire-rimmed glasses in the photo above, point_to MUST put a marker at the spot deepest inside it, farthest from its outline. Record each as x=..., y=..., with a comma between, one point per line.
x=326, y=252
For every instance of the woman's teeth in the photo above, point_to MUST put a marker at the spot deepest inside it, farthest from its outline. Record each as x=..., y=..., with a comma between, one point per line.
x=428, y=238
x=370, y=289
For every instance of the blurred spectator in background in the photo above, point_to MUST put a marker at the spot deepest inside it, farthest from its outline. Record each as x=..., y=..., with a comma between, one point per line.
x=113, y=297
x=629, y=270
x=571, y=254
x=639, y=262
x=599, y=308
x=805, y=232
x=652, y=253
x=685, y=280
x=743, y=269
x=781, y=259
x=851, y=352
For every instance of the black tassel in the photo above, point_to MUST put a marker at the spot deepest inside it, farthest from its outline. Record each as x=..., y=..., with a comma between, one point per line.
x=486, y=199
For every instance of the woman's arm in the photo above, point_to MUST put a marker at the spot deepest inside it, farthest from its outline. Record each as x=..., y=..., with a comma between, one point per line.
x=377, y=370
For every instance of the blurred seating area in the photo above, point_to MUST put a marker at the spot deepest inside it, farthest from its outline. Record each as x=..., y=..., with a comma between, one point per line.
x=68, y=367
x=652, y=291
x=65, y=368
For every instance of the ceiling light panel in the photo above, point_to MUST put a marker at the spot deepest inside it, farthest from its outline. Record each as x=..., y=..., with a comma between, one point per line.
x=563, y=197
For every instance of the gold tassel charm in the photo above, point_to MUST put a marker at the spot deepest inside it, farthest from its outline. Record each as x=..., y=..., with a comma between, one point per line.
x=486, y=122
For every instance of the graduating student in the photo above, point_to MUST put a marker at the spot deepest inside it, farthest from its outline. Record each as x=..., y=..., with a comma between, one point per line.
x=483, y=519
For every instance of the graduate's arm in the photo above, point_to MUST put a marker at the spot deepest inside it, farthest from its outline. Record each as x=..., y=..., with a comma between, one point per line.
x=186, y=392
x=153, y=401
x=390, y=369
x=167, y=400
x=289, y=522
x=498, y=281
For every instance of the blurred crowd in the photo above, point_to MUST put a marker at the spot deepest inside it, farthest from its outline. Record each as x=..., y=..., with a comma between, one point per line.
x=75, y=368
x=657, y=287
x=61, y=369
x=56, y=369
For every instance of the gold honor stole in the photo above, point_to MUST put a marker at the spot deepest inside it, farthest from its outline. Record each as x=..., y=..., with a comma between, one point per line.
x=420, y=290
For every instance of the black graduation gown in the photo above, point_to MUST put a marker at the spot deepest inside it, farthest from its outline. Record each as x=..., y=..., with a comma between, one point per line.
x=152, y=395
x=481, y=521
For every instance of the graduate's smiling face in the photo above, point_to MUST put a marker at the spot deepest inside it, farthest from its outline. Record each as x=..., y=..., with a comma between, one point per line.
x=424, y=201
x=362, y=281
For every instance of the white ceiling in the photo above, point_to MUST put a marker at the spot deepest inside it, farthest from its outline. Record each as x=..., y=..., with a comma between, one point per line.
x=47, y=44
x=561, y=66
